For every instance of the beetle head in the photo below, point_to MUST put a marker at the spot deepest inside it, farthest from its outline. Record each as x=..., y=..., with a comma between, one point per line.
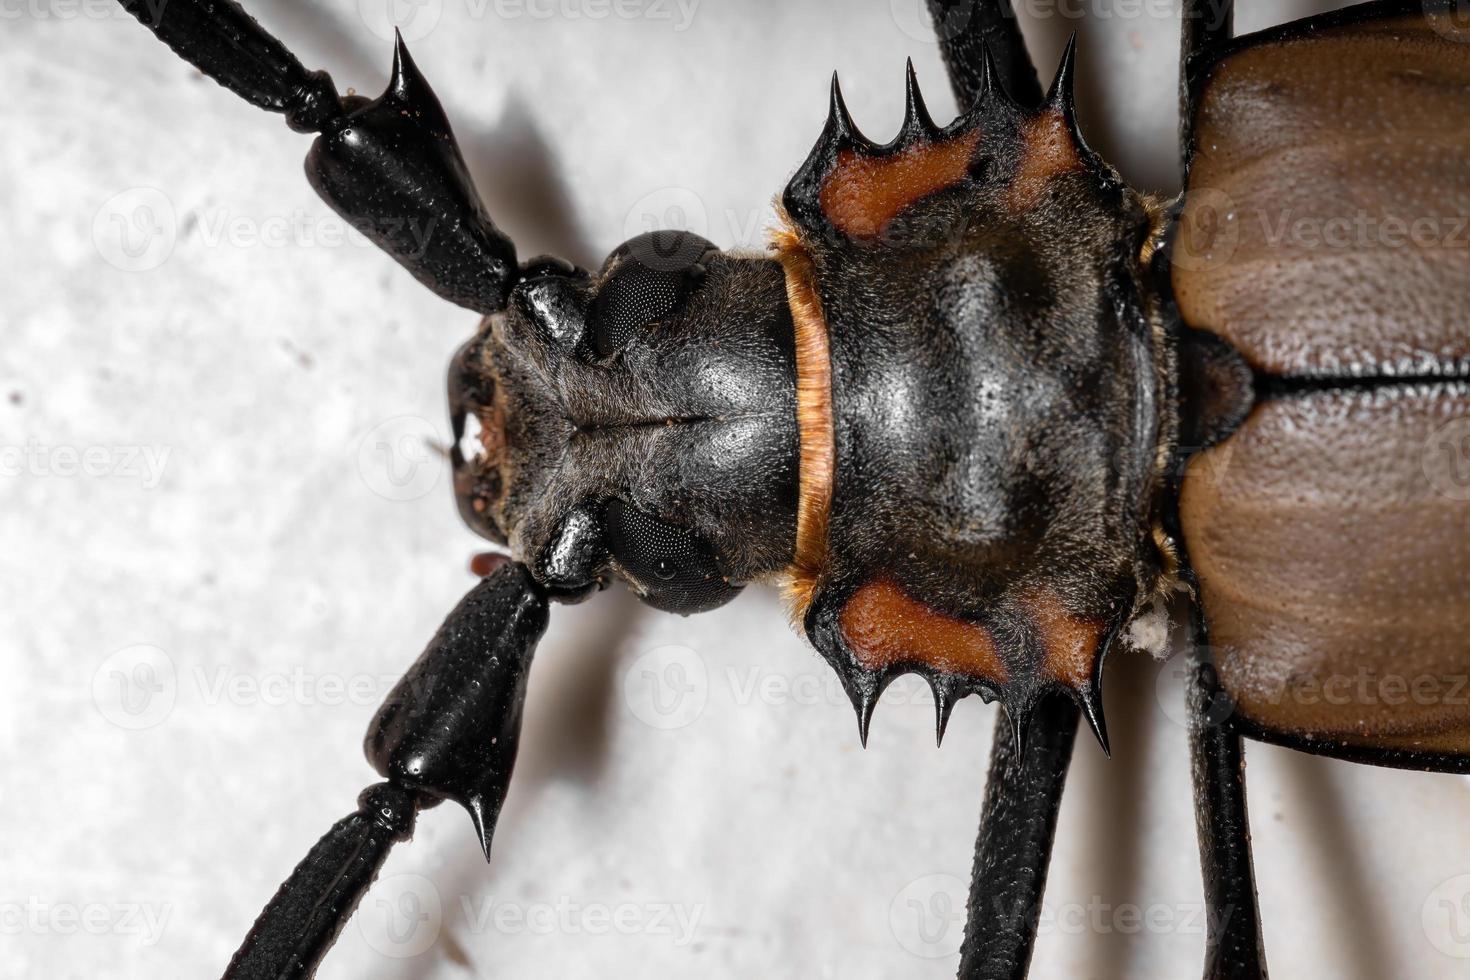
x=638, y=422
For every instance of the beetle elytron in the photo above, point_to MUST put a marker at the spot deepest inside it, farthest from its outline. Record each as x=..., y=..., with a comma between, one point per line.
x=960, y=410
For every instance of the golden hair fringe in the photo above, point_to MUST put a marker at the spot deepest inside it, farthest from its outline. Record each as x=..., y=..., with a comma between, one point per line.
x=813, y=419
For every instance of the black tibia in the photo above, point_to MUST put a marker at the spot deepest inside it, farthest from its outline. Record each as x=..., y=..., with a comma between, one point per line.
x=1233, y=949
x=448, y=731
x=1017, y=824
x=308, y=911
x=390, y=167
x=966, y=29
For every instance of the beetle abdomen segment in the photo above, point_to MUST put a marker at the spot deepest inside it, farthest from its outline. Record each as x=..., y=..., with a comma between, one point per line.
x=1326, y=226
x=1329, y=539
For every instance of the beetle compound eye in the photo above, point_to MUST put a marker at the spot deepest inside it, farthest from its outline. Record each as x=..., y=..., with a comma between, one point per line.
x=654, y=276
x=674, y=565
x=634, y=298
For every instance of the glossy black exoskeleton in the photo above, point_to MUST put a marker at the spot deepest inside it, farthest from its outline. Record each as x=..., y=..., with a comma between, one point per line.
x=959, y=410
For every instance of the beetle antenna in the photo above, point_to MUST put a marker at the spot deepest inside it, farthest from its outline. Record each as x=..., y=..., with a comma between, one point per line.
x=916, y=119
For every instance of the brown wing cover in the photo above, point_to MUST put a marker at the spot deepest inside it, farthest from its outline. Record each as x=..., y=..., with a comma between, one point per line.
x=1324, y=236
x=1331, y=538
x=1326, y=228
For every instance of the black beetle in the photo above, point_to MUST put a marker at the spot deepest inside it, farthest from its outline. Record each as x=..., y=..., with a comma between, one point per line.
x=987, y=507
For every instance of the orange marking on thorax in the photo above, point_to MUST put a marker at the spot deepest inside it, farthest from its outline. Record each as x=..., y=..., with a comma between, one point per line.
x=884, y=626
x=1048, y=151
x=863, y=194
x=1070, y=642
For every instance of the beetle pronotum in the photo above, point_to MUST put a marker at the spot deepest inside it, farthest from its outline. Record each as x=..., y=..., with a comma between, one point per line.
x=854, y=222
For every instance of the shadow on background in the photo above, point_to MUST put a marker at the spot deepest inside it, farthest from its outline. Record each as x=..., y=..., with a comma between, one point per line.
x=1330, y=847
x=1111, y=790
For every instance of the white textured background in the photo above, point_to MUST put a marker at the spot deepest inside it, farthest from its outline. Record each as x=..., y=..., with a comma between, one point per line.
x=194, y=640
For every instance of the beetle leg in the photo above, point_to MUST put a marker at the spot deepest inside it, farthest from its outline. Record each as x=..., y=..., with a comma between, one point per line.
x=1018, y=821
x=1233, y=949
x=967, y=28
x=301, y=922
x=390, y=166
x=449, y=730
